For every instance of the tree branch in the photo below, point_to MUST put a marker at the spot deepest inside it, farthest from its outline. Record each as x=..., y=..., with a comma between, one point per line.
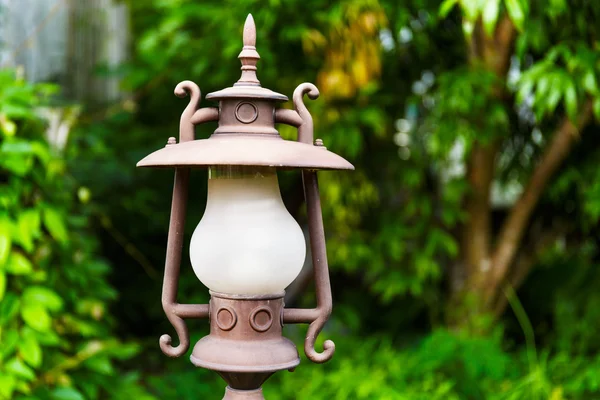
x=513, y=228
x=541, y=237
x=498, y=54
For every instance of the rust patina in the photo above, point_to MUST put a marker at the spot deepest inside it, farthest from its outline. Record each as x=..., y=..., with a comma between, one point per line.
x=245, y=345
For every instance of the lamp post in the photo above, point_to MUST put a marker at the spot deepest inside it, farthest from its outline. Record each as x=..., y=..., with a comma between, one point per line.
x=247, y=248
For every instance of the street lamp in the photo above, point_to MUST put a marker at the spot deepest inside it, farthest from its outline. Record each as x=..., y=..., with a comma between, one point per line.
x=247, y=248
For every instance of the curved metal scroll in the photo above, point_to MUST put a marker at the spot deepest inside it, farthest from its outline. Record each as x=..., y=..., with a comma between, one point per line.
x=305, y=130
x=316, y=317
x=321, y=270
x=177, y=312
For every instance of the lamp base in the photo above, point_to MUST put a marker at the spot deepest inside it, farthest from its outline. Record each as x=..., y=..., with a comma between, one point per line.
x=225, y=355
x=245, y=345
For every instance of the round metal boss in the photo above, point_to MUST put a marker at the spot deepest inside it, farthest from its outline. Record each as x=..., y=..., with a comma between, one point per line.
x=246, y=112
x=261, y=319
x=226, y=318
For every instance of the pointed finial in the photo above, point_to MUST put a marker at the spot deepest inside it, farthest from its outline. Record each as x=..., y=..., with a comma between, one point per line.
x=249, y=56
x=249, y=32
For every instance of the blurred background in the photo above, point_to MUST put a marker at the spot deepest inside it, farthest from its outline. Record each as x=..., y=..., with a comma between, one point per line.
x=464, y=249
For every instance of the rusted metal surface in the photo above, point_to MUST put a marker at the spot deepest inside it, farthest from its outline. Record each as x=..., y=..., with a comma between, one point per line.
x=246, y=134
x=171, y=277
x=318, y=316
x=177, y=312
x=245, y=336
x=289, y=117
x=244, y=150
x=245, y=345
x=249, y=56
x=245, y=380
x=192, y=116
x=246, y=92
x=305, y=129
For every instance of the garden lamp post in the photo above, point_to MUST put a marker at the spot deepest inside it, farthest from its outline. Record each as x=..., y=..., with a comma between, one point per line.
x=247, y=248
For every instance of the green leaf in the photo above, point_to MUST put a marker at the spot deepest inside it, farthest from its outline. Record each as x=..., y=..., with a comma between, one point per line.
x=100, y=364
x=597, y=107
x=5, y=241
x=516, y=12
x=10, y=339
x=16, y=147
x=18, y=264
x=30, y=351
x=448, y=243
x=8, y=127
x=39, y=295
x=471, y=9
x=28, y=228
x=20, y=369
x=7, y=386
x=554, y=94
x=556, y=7
x=525, y=89
x=90, y=389
x=17, y=164
x=2, y=284
x=17, y=111
x=446, y=7
x=66, y=393
x=24, y=387
x=589, y=83
x=490, y=15
x=46, y=338
x=543, y=85
x=9, y=307
x=571, y=101
x=125, y=351
x=42, y=152
x=55, y=224
x=36, y=317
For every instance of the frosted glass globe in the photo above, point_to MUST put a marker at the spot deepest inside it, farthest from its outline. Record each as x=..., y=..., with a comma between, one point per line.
x=246, y=242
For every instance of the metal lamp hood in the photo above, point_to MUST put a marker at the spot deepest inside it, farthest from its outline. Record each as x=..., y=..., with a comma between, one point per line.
x=246, y=134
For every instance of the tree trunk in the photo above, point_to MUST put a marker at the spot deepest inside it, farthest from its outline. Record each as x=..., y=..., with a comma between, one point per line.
x=478, y=300
x=493, y=53
x=514, y=227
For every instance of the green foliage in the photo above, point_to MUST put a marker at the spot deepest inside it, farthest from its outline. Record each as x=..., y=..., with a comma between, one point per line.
x=441, y=366
x=488, y=11
x=405, y=96
x=568, y=73
x=392, y=226
x=55, y=327
x=466, y=110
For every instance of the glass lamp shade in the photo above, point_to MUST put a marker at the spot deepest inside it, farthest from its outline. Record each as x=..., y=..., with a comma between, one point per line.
x=246, y=243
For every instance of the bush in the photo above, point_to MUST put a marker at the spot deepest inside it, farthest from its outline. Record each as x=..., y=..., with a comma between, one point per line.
x=55, y=329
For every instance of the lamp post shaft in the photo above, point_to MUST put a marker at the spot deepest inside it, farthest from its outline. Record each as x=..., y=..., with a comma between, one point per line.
x=232, y=394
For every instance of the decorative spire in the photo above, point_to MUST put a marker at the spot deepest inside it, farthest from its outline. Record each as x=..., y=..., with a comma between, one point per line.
x=249, y=56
